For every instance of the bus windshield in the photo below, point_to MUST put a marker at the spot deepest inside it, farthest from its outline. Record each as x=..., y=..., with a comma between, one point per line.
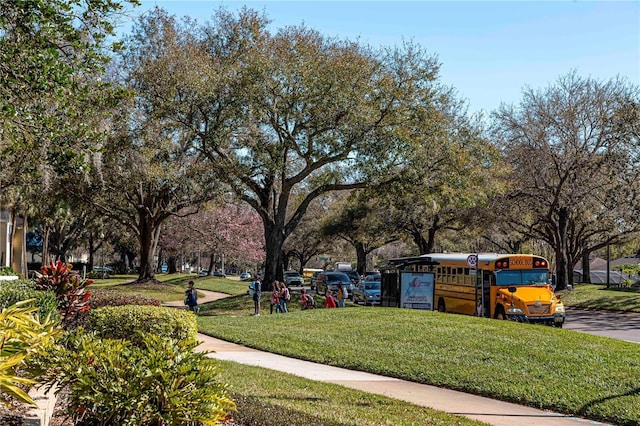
x=523, y=277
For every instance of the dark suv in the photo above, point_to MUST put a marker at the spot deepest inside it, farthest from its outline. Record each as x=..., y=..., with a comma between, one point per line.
x=330, y=280
x=354, y=277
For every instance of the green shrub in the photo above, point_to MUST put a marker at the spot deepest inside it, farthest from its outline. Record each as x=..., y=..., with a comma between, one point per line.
x=5, y=270
x=102, y=298
x=127, y=322
x=161, y=381
x=12, y=292
x=21, y=335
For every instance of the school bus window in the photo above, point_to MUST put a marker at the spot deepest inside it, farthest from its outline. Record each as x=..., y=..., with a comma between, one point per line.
x=467, y=277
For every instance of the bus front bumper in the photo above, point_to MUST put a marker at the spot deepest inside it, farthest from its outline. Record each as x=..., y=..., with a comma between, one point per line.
x=556, y=320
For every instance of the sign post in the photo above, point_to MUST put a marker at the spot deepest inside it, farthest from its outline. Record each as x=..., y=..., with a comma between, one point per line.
x=472, y=261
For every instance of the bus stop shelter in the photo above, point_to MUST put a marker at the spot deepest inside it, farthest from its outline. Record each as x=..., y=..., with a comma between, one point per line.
x=408, y=282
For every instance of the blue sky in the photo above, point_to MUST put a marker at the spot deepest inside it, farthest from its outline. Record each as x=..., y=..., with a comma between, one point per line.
x=489, y=50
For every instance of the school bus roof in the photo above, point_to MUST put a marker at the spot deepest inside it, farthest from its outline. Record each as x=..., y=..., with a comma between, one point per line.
x=460, y=259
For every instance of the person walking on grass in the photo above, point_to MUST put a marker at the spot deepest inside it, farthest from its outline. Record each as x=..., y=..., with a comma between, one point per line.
x=191, y=298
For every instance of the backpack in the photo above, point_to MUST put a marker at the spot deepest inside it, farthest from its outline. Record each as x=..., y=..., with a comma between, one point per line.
x=287, y=295
x=345, y=294
x=252, y=288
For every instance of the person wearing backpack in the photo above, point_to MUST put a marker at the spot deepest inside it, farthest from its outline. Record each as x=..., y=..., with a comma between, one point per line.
x=306, y=300
x=285, y=295
x=342, y=295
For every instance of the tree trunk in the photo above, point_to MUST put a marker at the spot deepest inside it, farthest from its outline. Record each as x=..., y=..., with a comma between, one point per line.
x=91, y=252
x=148, y=242
x=285, y=261
x=586, y=268
x=171, y=263
x=45, y=245
x=562, y=258
x=419, y=241
x=274, y=237
x=361, y=256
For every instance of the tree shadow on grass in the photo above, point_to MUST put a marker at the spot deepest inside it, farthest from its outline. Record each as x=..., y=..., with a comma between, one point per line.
x=587, y=408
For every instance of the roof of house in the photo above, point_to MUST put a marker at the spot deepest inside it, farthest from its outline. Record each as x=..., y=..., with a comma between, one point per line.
x=626, y=260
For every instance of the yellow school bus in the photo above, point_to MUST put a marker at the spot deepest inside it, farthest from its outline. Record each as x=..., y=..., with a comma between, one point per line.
x=502, y=286
x=308, y=272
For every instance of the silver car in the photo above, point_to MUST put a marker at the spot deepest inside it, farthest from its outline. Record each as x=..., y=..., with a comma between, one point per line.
x=293, y=278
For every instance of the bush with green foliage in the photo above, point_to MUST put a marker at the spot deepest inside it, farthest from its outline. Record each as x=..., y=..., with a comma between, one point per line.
x=102, y=298
x=15, y=291
x=159, y=381
x=5, y=270
x=70, y=290
x=22, y=334
x=128, y=322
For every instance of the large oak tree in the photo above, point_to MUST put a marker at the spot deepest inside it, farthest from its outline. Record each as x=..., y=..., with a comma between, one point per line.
x=293, y=112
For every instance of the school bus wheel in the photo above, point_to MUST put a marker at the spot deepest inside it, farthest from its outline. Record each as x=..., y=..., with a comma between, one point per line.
x=500, y=313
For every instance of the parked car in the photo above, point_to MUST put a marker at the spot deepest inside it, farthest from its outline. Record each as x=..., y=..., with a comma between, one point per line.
x=372, y=276
x=314, y=279
x=354, y=277
x=367, y=292
x=205, y=273
x=293, y=278
x=245, y=276
x=330, y=280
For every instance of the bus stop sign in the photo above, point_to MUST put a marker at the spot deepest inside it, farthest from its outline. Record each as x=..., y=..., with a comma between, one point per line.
x=472, y=261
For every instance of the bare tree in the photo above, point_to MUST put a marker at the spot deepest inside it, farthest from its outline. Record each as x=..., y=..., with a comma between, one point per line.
x=574, y=153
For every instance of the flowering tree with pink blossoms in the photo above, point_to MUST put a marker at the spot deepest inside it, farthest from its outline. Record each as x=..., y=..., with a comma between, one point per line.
x=234, y=231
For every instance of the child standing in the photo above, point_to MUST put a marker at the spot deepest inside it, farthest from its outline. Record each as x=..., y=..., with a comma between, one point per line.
x=275, y=299
x=329, y=301
x=284, y=296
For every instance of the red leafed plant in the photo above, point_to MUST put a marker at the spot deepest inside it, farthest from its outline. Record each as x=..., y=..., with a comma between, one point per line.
x=70, y=289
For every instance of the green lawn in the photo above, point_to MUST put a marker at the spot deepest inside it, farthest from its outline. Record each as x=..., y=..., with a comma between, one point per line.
x=173, y=286
x=543, y=367
x=268, y=397
x=591, y=296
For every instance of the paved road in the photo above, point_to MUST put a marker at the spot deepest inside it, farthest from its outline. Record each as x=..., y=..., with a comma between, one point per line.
x=618, y=325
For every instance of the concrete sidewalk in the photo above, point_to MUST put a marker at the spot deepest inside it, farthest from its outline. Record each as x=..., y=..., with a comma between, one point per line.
x=484, y=409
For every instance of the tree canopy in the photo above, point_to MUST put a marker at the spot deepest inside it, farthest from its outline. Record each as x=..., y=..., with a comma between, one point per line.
x=574, y=153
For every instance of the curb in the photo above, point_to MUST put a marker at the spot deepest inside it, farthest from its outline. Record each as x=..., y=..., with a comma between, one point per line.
x=46, y=402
